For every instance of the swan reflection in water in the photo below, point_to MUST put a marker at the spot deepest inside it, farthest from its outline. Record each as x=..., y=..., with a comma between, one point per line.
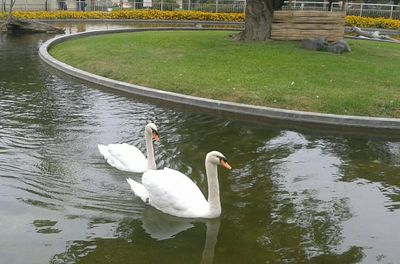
x=132, y=237
x=161, y=226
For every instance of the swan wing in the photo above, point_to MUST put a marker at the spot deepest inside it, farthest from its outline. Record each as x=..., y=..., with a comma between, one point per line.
x=124, y=157
x=172, y=192
x=139, y=190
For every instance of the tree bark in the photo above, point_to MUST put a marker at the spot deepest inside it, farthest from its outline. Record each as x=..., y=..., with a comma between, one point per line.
x=27, y=26
x=9, y=17
x=258, y=22
x=372, y=35
x=330, y=2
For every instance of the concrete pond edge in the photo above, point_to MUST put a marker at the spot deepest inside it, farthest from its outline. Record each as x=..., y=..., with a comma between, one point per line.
x=298, y=117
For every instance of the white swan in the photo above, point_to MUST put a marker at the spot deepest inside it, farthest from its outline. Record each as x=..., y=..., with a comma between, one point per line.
x=173, y=193
x=129, y=158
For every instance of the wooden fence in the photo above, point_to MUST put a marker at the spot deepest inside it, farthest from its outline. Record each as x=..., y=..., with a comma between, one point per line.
x=298, y=25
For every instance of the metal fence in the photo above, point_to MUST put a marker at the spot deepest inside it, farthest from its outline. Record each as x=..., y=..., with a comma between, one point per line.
x=237, y=6
x=51, y=5
x=354, y=9
x=230, y=6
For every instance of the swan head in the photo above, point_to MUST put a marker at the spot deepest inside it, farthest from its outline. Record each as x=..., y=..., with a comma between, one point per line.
x=151, y=129
x=217, y=158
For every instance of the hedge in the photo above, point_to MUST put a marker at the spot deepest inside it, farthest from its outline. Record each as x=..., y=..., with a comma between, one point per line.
x=363, y=22
x=369, y=22
x=130, y=14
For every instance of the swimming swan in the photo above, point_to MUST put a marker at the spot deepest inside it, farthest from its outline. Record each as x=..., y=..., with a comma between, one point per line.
x=173, y=193
x=129, y=158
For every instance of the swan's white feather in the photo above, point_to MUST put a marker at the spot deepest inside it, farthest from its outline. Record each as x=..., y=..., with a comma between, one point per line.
x=124, y=157
x=172, y=192
x=139, y=190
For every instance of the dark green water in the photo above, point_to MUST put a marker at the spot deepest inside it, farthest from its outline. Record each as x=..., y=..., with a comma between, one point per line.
x=292, y=197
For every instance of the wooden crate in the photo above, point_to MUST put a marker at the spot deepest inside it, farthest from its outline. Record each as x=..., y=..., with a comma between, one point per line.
x=298, y=25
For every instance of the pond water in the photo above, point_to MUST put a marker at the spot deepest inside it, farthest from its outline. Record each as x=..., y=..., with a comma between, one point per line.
x=291, y=197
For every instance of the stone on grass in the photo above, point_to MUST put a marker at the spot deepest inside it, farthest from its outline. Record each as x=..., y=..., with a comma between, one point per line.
x=339, y=47
x=317, y=44
x=321, y=44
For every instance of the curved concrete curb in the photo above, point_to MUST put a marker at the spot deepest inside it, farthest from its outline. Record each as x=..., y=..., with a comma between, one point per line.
x=255, y=111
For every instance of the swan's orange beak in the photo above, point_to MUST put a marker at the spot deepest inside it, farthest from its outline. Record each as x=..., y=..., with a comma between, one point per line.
x=225, y=164
x=155, y=136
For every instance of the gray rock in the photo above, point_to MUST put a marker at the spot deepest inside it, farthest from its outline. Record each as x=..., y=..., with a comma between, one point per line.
x=314, y=44
x=339, y=47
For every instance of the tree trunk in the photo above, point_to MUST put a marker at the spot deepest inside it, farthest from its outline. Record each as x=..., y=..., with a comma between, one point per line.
x=30, y=26
x=330, y=5
x=372, y=35
x=27, y=26
x=9, y=17
x=258, y=21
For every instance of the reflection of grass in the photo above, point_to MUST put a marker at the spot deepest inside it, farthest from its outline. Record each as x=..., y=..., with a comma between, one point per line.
x=278, y=74
x=46, y=226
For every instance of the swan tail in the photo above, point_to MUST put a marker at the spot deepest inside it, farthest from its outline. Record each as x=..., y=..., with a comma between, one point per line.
x=104, y=151
x=107, y=156
x=139, y=190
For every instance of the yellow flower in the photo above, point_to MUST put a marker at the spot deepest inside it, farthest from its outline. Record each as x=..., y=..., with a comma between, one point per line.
x=363, y=22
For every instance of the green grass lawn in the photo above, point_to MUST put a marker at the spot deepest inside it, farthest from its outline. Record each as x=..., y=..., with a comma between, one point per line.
x=276, y=74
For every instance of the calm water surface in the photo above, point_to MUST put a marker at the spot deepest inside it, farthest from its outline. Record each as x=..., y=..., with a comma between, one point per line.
x=292, y=197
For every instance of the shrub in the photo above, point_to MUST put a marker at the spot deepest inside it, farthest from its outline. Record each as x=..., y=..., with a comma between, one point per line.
x=362, y=22
x=368, y=22
x=131, y=14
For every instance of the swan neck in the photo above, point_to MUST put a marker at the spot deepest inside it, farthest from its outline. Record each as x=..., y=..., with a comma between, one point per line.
x=151, y=163
x=213, y=189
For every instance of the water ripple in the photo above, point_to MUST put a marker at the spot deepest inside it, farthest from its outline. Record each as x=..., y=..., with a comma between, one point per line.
x=294, y=197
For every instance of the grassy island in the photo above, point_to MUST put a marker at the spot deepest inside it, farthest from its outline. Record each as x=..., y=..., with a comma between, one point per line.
x=277, y=74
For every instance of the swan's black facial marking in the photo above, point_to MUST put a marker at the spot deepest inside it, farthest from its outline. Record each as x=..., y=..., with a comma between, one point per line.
x=224, y=162
x=221, y=158
x=155, y=132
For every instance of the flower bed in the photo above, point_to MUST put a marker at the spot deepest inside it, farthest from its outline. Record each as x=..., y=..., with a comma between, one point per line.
x=363, y=22
x=369, y=22
x=130, y=14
